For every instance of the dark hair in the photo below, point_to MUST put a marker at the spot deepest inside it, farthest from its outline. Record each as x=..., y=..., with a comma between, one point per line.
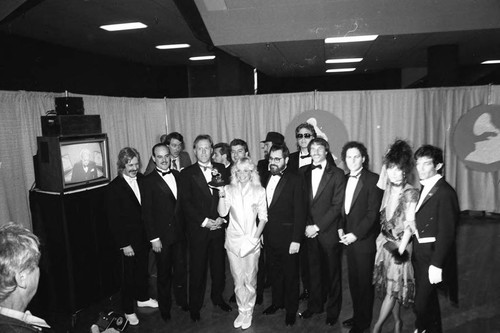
x=159, y=145
x=224, y=148
x=283, y=148
x=20, y=252
x=400, y=155
x=174, y=135
x=308, y=127
x=433, y=152
x=239, y=142
x=362, y=150
x=321, y=142
x=203, y=137
x=126, y=155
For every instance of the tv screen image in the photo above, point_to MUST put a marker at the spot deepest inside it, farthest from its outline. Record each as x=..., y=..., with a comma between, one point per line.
x=81, y=161
x=71, y=163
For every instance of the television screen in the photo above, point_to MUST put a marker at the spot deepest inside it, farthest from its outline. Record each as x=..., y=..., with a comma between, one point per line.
x=67, y=163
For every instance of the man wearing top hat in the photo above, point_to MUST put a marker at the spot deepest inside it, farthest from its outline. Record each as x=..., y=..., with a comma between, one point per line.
x=263, y=165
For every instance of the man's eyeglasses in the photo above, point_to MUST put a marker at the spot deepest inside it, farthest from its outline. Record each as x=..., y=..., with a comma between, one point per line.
x=306, y=135
x=275, y=159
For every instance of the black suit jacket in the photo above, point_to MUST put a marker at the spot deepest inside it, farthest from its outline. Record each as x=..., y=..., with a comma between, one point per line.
x=124, y=213
x=438, y=217
x=160, y=209
x=198, y=202
x=286, y=212
x=293, y=161
x=325, y=209
x=363, y=219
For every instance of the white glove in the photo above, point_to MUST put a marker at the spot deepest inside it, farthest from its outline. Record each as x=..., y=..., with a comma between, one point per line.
x=294, y=248
x=435, y=274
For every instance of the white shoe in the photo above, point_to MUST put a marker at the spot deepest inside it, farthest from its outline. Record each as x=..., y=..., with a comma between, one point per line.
x=132, y=319
x=150, y=303
x=239, y=321
x=247, y=322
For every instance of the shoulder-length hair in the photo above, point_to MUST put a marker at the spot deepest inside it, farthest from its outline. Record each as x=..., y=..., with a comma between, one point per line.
x=245, y=162
x=126, y=155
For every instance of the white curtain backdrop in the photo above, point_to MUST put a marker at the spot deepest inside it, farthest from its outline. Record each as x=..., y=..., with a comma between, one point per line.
x=373, y=117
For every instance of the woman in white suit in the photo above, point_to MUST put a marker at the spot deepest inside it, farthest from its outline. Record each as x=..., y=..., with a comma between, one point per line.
x=245, y=200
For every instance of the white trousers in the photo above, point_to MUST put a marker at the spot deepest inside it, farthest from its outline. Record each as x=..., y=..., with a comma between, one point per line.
x=244, y=272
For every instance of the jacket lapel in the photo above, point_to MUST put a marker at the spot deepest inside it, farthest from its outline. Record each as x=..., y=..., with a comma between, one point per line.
x=278, y=190
x=324, y=180
x=358, y=188
x=126, y=187
x=199, y=179
x=164, y=186
x=431, y=193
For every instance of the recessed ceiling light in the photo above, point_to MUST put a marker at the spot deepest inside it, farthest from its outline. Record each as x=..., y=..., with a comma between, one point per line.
x=490, y=62
x=172, y=46
x=210, y=57
x=340, y=70
x=124, y=26
x=343, y=61
x=350, y=39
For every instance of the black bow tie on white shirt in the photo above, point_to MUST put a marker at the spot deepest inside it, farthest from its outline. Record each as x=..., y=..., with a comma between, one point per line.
x=319, y=166
x=355, y=176
x=205, y=167
x=163, y=173
x=305, y=156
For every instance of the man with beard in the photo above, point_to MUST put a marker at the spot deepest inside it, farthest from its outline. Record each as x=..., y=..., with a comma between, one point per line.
x=161, y=213
x=284, y=232
x=271, y=139
x=204, y=226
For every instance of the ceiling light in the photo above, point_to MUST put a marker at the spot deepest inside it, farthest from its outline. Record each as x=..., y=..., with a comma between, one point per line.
x=210, y=57
x=343, y=61
x=490, y=62
x=350, y=39
x=123, y=26
x=340, y=70
x=172, y=46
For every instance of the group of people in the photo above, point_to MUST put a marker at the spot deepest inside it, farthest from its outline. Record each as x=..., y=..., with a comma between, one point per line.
x=289, y=216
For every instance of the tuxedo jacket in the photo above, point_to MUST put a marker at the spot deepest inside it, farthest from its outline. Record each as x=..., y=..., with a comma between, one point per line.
x=286, y=212
x=184, y=160
x=438, y=217
x=294, y=158
x=160, y=209
x=363, y=219
x=198, y=202
x=124, y=212
x=325, y=209
x=263, y=169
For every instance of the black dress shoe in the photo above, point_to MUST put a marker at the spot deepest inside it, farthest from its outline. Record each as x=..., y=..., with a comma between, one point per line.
x=348, y=323
x=306, y=314
x=259, y=300
x=165, y=316
x=232, y=299
x=290, y=319
x=330, y=321
x=304, y=296
x=271, y=310
x=224, y=307
x=195, y=316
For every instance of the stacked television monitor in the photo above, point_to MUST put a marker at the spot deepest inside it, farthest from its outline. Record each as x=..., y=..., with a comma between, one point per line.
x=67, y=163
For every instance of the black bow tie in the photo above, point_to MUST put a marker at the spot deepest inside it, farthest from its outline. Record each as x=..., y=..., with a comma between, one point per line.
x=319, y=166
x=204, y=168
x=163, y=173
x=305, y=156
x=355, y=176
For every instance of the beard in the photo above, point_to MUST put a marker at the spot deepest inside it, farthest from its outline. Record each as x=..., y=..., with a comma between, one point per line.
x=275, y=170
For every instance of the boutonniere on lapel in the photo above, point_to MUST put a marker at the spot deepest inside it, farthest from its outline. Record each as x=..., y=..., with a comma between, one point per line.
x=217, y=180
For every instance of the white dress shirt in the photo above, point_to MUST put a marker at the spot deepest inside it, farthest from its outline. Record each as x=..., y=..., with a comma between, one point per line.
x=428, y=184
x=352, y=182
x=305, y=160
x=316, y=175
x=132, y=182
x=271, y=187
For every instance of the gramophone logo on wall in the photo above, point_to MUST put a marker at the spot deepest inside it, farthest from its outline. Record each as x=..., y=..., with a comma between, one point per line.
x=326, y=125
x=476, y=138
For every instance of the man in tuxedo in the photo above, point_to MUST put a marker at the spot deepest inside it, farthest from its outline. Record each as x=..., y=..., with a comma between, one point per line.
x=434, y=256
x=222, y=154
x=162, y=215
x=85, y=169
x=284, y=232
x=359, y=231
x=179, y=158
x=204, y=226
x=125, y=220
x=325, y=188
